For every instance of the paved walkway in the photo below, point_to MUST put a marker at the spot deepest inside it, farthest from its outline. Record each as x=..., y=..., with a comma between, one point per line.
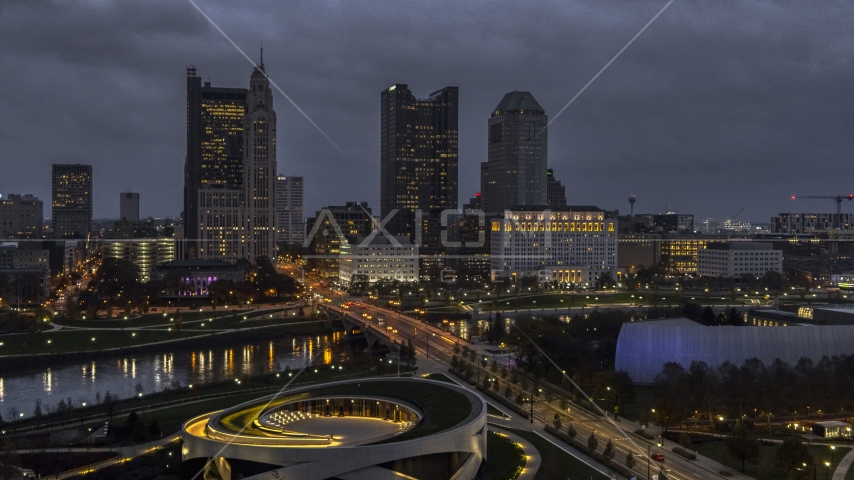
x=532, y=456
x=844, y=466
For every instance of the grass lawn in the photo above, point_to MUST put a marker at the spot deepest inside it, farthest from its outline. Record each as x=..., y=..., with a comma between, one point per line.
x=147, y=320
x=505, y=459
x=444, y=378
x=440, y=377
x=508, y=301
x=717, y=451
x=555, y=462
x=53, y=463
x=63, y=341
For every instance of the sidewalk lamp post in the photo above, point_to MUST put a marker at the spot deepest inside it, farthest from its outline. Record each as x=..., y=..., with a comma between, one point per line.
x=827, y=470
x=832, y=448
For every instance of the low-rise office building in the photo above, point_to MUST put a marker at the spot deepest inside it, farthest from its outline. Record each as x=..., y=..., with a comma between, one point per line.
x=832, y=429
x=21, y=216
x=12, y=256
x=807, y=315
x=679, y=252
x=636, y=251
x=378, y=259
x=734, y=259
x=571, y=245
x=25, y=287
x=143, y=253
x=193, y=277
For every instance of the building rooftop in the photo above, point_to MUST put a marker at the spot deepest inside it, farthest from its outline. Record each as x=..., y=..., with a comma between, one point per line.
x=518, y=102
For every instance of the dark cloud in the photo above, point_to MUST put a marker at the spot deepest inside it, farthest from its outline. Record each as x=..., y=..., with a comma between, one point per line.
x=717, y=106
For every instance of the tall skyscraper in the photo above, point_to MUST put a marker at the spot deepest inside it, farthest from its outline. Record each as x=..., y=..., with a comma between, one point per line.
x=129, y=206
x=72, y=200
x=259, y=168
x=418, y=154
x=555, y=191
x=21, y=216
x=213, y=172
x=515, y=171
x=289, y=221
x=230, y=171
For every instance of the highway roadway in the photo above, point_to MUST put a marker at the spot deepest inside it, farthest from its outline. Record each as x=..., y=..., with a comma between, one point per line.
x=439, y=345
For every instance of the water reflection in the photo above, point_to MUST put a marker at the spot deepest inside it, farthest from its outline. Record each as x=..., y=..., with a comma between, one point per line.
x=156, y=371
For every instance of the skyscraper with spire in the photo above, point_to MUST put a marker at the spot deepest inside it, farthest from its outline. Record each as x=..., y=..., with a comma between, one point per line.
x=259, y=167
x=230, y=170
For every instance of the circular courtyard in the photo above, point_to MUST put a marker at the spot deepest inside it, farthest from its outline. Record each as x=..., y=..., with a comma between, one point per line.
x=368, y=428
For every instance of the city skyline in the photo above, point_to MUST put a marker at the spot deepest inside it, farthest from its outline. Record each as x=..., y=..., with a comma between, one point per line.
x=669, y=121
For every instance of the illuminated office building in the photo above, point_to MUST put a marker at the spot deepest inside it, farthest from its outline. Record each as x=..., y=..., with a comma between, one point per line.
x=679, y=251
x=418, y=155
x=21, y=216
x=569, y=245
x=515, y=171
x=143, y=253
x=230, y=170
x=71, y=190
x=290, y=226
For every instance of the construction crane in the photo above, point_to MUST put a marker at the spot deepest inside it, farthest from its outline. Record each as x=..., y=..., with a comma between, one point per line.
x=737, y=214
x=836, y=198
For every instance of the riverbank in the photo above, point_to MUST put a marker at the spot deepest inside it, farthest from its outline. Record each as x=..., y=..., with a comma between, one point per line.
x=44, y=349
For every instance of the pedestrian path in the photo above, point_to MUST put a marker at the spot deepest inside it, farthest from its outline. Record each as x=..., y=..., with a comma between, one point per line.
x=843, y=466
x=123, y=455
x=532, y=456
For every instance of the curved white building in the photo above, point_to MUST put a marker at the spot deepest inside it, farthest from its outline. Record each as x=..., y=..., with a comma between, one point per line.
x=352, y=430
x=644, y=347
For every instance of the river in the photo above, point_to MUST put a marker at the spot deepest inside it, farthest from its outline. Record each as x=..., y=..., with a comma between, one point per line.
x=120, y=375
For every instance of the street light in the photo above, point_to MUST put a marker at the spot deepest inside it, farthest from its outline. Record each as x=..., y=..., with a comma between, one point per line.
x=827, y=470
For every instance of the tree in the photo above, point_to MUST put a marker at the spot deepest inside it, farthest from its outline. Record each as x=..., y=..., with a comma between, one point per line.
x=609, y=450
x=693, y=311
x=708, y=317
x=138, y=432
x=592, y=441
x=115, y=277
x=630, y=461
x=38, y=410
x=571, y=431
x=557, y=422
x=667, y=414
x=790, y=457
x=133, y=419
x=154, y=427
x=742, y=445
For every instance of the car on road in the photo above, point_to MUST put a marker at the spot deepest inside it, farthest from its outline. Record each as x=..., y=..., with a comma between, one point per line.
x=658, y=457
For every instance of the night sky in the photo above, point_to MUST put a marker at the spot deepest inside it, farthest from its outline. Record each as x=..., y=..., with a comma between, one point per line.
x=717, y=106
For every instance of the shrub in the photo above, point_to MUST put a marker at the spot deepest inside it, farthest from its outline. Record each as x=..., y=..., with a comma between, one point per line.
x=684, y=453
x=592, y=441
